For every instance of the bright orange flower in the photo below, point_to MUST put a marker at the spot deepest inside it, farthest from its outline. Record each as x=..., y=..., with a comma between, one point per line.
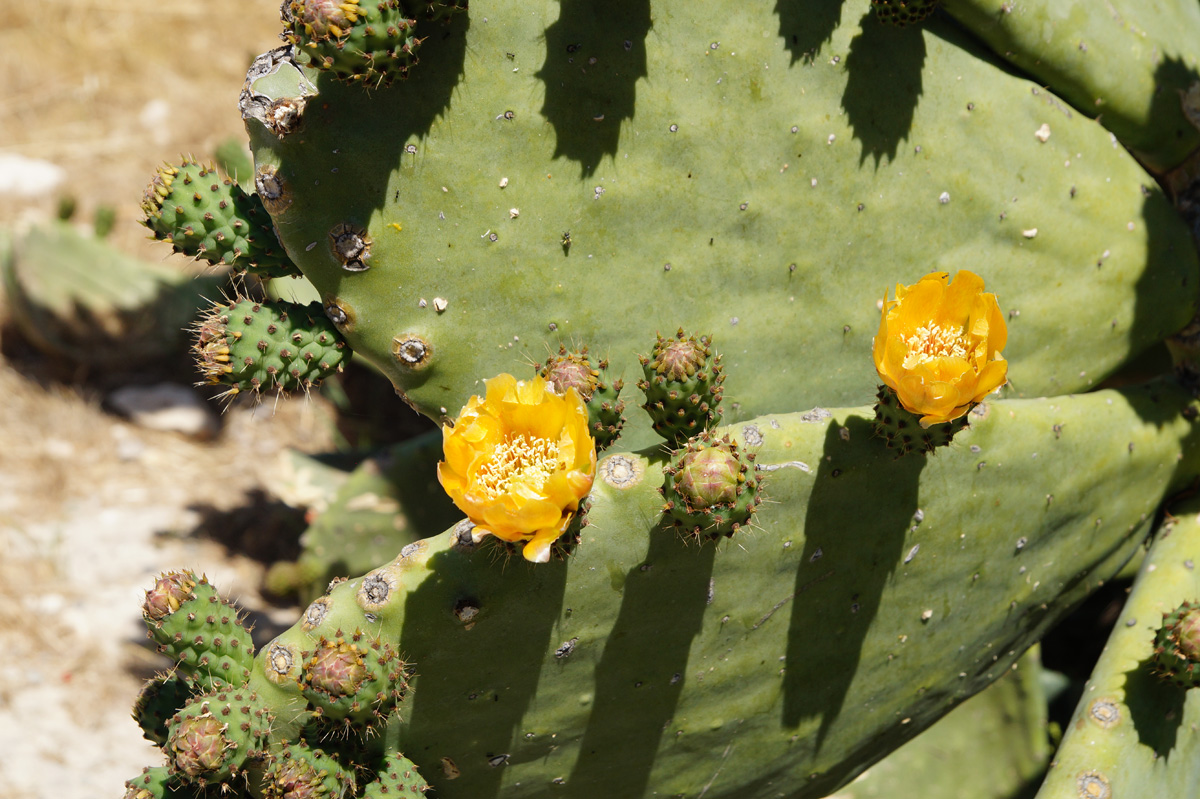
x=939, y=343
x=518, y=462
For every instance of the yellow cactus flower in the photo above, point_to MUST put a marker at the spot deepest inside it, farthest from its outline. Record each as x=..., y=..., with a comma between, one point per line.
x=939, y=344
x=518, y=461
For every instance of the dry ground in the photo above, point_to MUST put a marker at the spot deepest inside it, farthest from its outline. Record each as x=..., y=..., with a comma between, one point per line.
x=92, y=507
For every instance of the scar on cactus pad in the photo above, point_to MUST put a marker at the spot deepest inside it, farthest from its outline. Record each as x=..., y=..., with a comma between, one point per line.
x=518, y=461
x=938, y=354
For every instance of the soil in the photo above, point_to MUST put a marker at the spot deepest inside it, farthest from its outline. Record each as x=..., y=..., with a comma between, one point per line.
x=93, y=507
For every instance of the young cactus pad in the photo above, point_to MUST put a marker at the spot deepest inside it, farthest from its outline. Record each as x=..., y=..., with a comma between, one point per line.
x=262, y=346
x=852, y=140
x=1133, y=733
x=212, y=218
x=870, y=596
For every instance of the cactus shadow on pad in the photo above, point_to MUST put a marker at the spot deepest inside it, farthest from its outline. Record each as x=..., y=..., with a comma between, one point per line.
x=644, y=667
x=807, y=25
x=1172, y=78
x=588, y=100
x=883, y=85
x=856, y=521
x=1155, y=707
x=491, y=697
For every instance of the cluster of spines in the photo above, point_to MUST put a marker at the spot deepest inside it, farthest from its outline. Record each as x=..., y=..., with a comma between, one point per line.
x=682, y=383
x=217, y=735
x=371, y=43
x=211, y=218
x=903, y=12
x=352, y=682
x=575, y=369
x=297, y=770
x=1177, y=646
x=397, y=778
x=219, y=741
x=200, y=631
x=262, y=346
x=902, y=430
x=710, y=487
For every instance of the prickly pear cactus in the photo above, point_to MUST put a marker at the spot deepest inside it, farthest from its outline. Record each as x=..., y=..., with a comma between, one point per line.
x=852, y=139
x=1134, y=733
x=767, y=608
x=254, y=346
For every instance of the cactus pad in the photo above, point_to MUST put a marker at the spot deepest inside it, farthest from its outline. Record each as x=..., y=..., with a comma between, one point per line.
x=711, y=488
x=212, y=218
x=600, y=394
x=371, y=44
x=253, y=346
x=195, y=627
x=682, y=385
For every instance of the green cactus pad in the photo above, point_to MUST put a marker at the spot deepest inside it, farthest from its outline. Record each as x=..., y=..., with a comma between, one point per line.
x=1127, y=67
x=869, y=597
x=903, y=12
x=1177, y=646
x=682, y=385
x=711, y=488
x=209, y=217
x=191, y=624
x=215, y=736
x=397, y=779
x=262, y=346
x=372, y=43
x=671, y=225
x=298, y=771
x=357, y=681
x=1134, y=734
x=600, y=393
x=902, y=430
x=77, y=297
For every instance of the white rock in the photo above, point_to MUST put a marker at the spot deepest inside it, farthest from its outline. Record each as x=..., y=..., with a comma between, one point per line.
x=29, y=177
x=166, y=406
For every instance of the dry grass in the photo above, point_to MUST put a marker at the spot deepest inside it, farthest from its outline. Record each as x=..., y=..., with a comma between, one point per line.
x=108, y=89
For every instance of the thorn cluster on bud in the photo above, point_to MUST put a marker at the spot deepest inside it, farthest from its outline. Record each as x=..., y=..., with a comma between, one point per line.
x=710, y=487
x=683, y=386
x=264, y=346
x=1177, y=646
x=575, y=369
x=902, y=430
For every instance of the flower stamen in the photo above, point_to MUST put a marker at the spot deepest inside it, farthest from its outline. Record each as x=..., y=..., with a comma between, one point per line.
x=518, y=459
x=933, y=341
